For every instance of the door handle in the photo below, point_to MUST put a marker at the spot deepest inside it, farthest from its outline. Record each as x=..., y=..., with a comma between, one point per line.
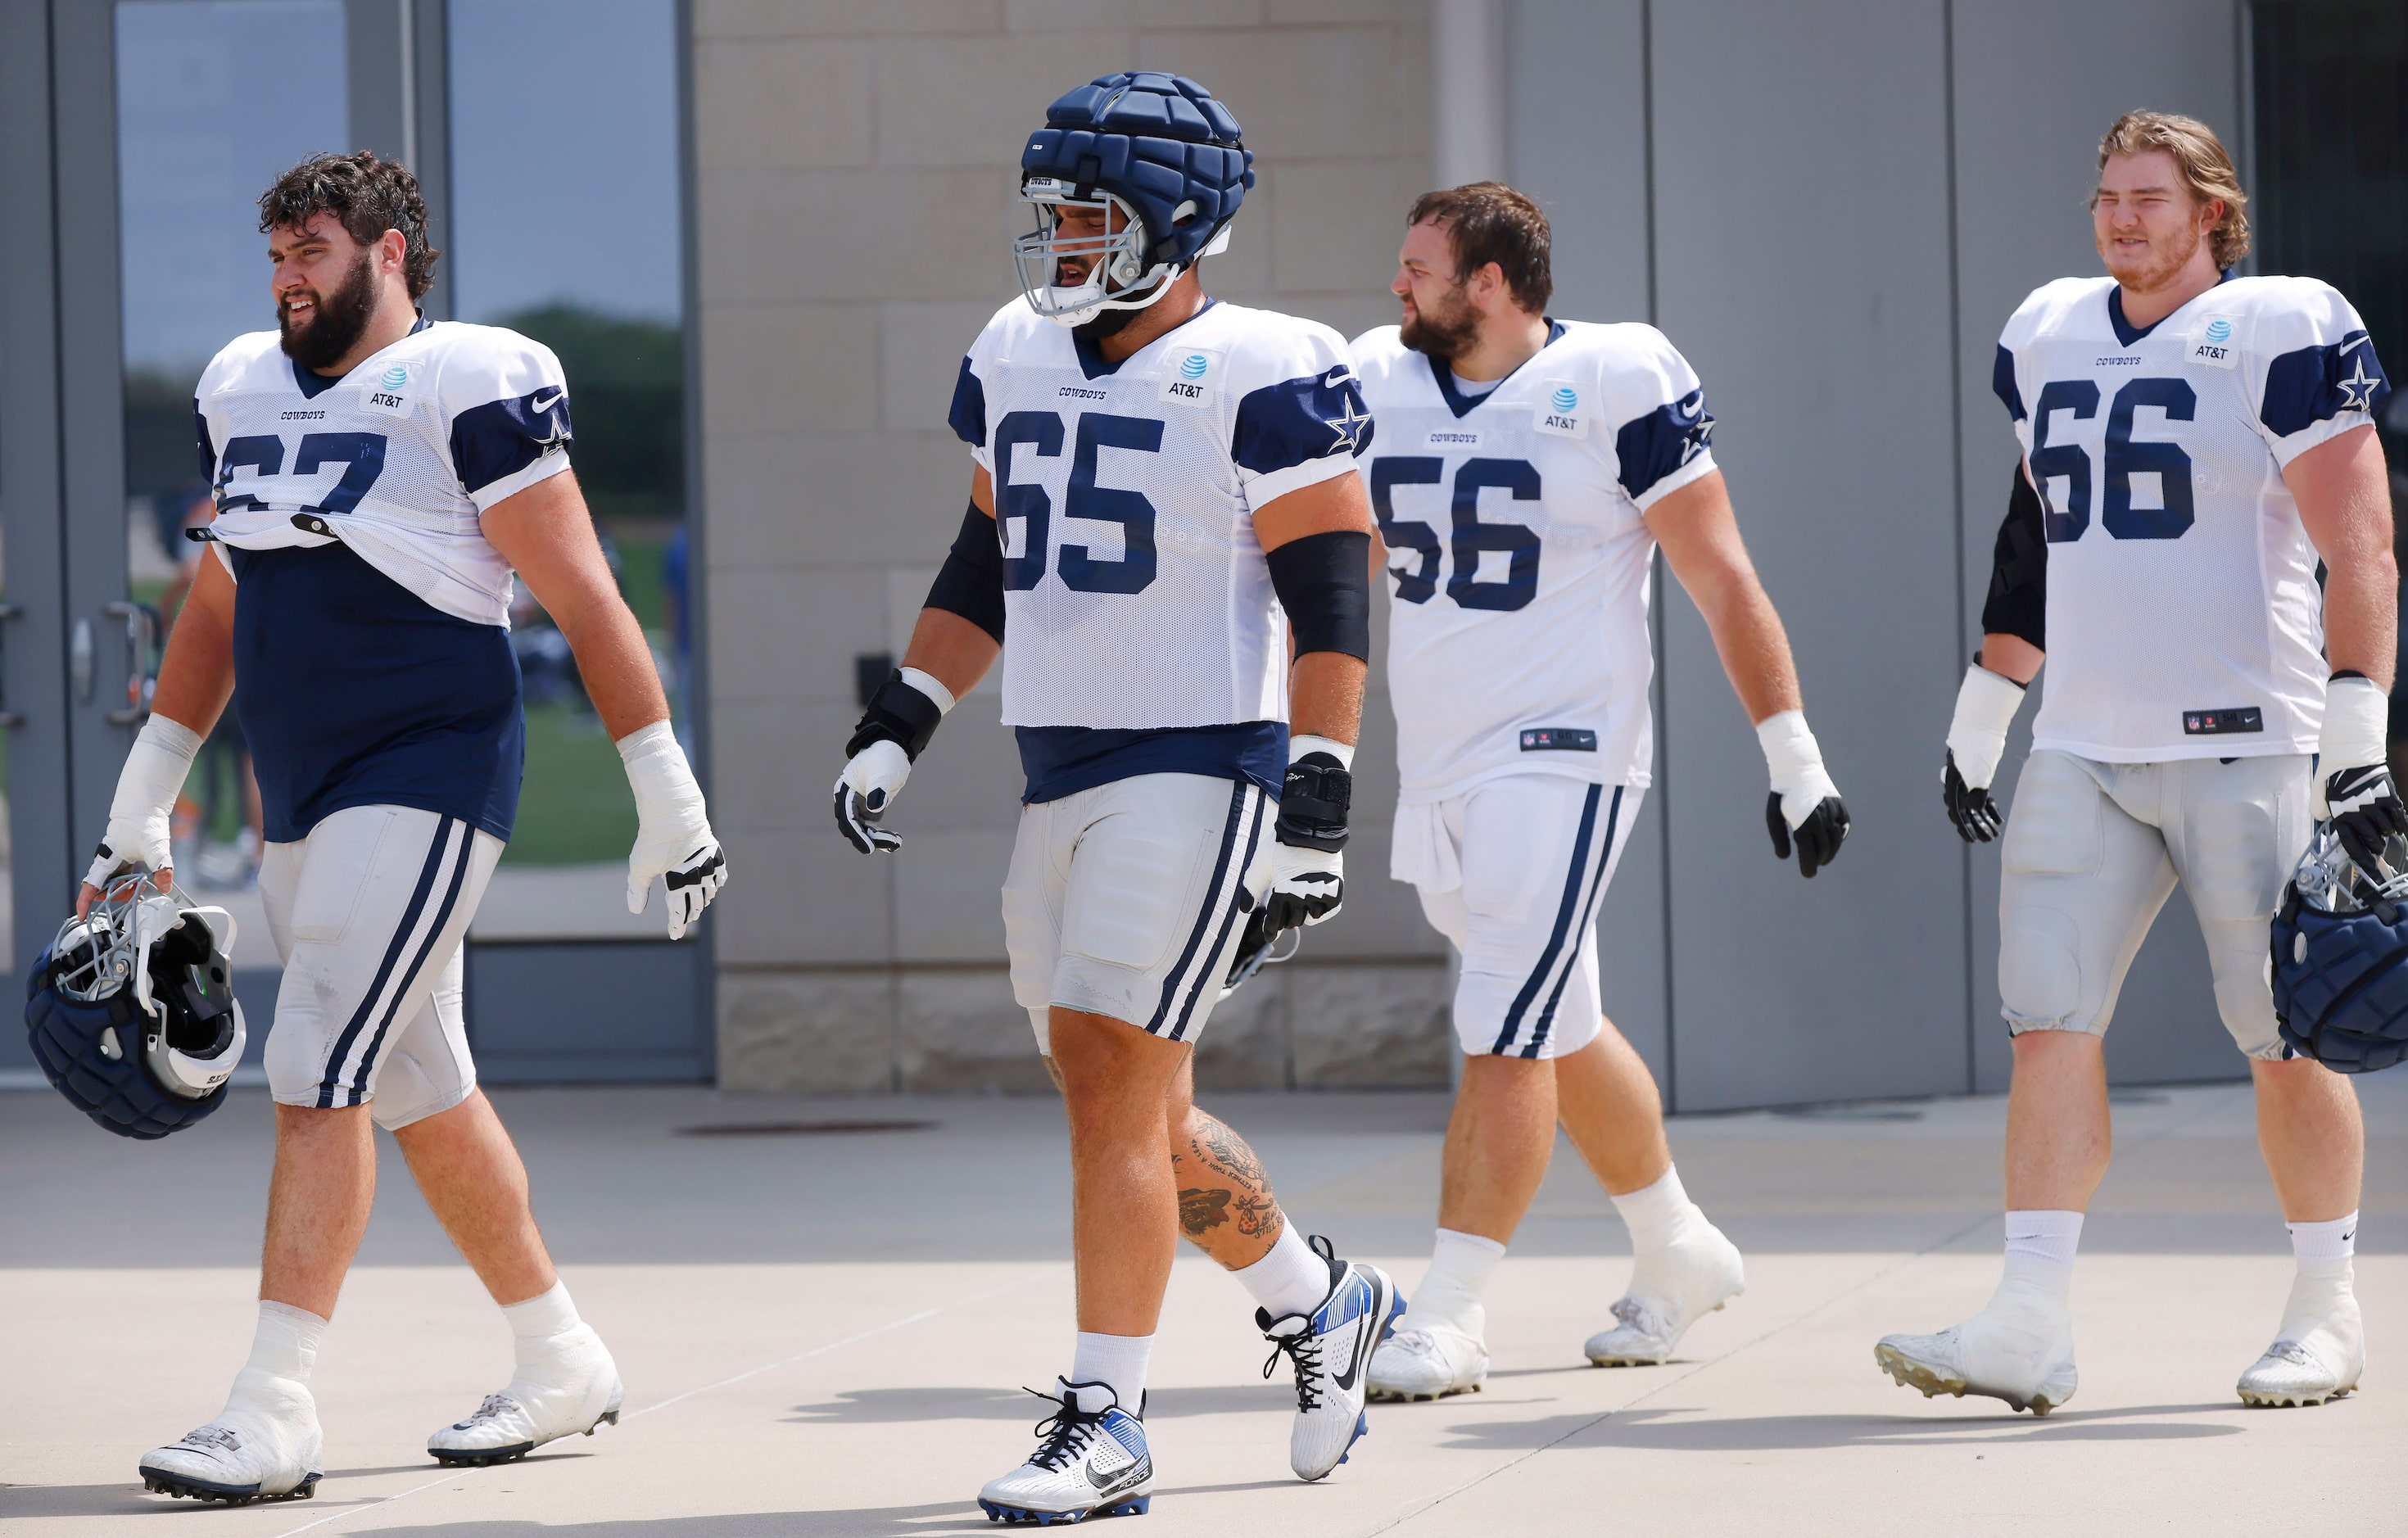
x=141, y=634
x=7, y=717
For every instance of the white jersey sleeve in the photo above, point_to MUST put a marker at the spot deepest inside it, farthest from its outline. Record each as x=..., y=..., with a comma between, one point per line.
x=502, y=405
x=1301, y=416
x=1663, y=433
x=2311, y=369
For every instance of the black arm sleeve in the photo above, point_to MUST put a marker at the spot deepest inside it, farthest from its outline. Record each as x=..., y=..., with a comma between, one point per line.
x=2018, y=601
x=972, y=583
x=1324, y=581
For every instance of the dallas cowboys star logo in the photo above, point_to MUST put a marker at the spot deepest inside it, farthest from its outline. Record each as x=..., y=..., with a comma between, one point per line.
x=1349, y=429
x=2357, y=391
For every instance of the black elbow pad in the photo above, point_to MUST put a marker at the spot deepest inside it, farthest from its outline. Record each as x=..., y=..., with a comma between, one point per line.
x=1324, y=581
x=970, y=583
x=2018, y=601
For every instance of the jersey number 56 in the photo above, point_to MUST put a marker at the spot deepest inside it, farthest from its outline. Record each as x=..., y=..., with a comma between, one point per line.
x=1519, y=542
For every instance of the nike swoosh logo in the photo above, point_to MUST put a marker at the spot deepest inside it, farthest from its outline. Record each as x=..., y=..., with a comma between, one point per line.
x=2347, y=347
x=536, y=404
x=1364, y=1341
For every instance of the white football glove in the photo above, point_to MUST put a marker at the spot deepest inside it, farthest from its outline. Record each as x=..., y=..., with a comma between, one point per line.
x=1804, y=801
x=2353, y=786
x=140, y=812
x=1305, y=866
x=1986, y=703
x=901, y=717
x=673, y=839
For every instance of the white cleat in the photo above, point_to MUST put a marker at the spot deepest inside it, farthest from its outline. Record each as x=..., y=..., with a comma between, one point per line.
x=564, y=1384
x=1091, y=1460
x=2019, y=1349
x=1670, y=1290
x=2320, y=1352
x=264, y=1445
x=1428, y=1364
x=1331, y=1350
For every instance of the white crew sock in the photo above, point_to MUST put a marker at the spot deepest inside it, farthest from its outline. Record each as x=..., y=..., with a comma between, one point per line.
x=1657, y=1215
x=1116, y=1362
x=286, y=1344
x=2041, y=1243
x=1289, y=1278
x=1449, y=1294
x=2324, y=1242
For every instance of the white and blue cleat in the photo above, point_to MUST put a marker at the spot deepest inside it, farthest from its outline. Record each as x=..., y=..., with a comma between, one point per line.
x=1331, y=1351
x=1091, y=1460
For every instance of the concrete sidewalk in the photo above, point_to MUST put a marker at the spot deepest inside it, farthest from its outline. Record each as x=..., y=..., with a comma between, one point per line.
x=822, y=1333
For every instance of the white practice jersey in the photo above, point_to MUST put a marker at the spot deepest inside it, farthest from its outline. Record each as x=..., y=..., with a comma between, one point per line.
x=1136, y=592
x=2183, y=615
x=1517, y=637
x=396, y=458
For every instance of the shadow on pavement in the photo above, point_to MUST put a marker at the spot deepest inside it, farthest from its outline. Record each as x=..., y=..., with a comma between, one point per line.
x=883, y=1406
x=127, y=1498
x=950, y=1519
x=1659, y=1431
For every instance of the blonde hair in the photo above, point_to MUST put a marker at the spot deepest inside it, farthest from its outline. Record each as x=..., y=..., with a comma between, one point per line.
x=2206, y=170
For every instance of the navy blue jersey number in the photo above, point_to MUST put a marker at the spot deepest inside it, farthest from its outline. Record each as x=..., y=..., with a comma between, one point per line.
x=1471, y=537
x=2123, y=459
x=1080, y=572
x=361, y=455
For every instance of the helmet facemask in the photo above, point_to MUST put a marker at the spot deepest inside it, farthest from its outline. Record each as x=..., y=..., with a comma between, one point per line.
x=171, y=964
x=2328, y=881
x=1115, y=276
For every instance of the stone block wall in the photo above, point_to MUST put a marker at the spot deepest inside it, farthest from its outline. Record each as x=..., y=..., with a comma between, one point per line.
x=856, y=181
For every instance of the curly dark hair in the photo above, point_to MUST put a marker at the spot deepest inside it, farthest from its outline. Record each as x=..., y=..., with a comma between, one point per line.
x=1490, y=221
x=368, y=195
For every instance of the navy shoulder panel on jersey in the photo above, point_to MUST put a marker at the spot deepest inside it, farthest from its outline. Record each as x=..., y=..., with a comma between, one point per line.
x=2003, y=384
x=1284, y=425
x=208, y=451
x=2314, y=384
x=502, y=438
x=967, y=417
x=1652, y=447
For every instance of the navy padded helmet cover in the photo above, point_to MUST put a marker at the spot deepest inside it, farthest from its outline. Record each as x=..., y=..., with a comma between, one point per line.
x=2342, y=999
x=1155, y=141
x=119, y=1094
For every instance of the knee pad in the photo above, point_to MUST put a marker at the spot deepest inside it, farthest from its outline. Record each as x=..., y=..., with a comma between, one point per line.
x=407, y=1091
x=2039, y=970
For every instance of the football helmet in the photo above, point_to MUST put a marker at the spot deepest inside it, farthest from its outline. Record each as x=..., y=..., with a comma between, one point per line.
x=2339, y=955
x=1159, y=160
x=132, y=1012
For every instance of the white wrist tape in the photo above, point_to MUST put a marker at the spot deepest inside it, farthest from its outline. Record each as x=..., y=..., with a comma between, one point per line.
x=926, y=683
x=1795, y=764
x=154, y=771
x=2356, y=718
x=1298, y=746
x=1986, y=704
x=663, y=781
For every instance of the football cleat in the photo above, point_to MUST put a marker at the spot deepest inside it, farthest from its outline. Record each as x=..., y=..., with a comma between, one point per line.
x=1426, y=1364
x=2019, y=1349
x=2320, y=1352
x=1091, y=1460
x=1330, y=1349
x=264, y=1445
x=1670, y=1289
x=564, y=1384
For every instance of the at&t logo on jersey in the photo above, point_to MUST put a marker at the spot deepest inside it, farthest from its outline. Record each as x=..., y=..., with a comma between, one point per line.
x=2215, y=346
x=1559, y=410
x=1191, y=376
x=389, y=392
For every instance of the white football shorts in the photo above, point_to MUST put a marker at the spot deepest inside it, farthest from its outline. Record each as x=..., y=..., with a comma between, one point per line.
x=1511, y=871
x=1127, y=899
x=2092, y=851
x=368, y=913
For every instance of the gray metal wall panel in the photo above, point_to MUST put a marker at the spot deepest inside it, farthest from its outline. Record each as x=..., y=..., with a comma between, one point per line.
x=2038, y=81
x=1802, y=245
x=1576, y=113
x=585, y=1012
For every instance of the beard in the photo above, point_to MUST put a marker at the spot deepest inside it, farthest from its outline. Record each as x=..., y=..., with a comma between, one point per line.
x=2165, y=258
x=341, y=319
x=1445, y=335
x=1103, y=323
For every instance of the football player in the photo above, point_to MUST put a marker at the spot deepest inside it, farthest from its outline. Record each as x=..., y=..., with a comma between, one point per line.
x=2193, y=444
x=378, y=479
x=1527, y=471
x=1157, y=476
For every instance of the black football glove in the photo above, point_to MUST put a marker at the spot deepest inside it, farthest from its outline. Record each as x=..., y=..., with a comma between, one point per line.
x=1818, y=837
x=1977, y=816
x=2365, y=812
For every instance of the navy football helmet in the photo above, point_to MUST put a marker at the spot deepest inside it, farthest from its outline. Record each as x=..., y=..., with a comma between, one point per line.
x=2340, y=953
x=1159, y=161
x=131, y=1010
